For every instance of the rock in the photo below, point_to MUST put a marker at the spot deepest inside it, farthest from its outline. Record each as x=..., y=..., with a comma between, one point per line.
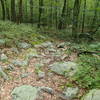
x=45, y=44
x=25, y=92
x=3, y=74
x=25, y=75
x=64, y=68
x=24, y=45
x=20, y=63
x=11, y=67
x=47, y=89
x=3, y=57
x=2, y=42
x=28, y=92
x=92, y=95
x=69, y=93
x=39, y=65
x=41, y=74
x=15, y=50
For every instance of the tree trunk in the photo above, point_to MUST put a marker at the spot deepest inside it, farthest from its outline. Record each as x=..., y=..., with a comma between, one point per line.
x=60, y=26
x=13, y=11
x=83, y=21
x=7, y=10
x=40, y=12
x=20, y=16
x=76, y=11
x=3, y=9
x=31, y=11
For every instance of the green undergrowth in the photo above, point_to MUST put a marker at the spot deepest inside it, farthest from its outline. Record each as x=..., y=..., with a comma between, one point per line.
x=12, y=33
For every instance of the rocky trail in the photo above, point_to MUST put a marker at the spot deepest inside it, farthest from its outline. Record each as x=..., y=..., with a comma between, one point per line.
x=37, y=73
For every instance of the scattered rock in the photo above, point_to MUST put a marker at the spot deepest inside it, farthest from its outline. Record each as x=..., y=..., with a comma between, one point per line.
x=24, y=45
x=20, y=63
x=69, y=93
x=11, y=67
x=25, y=75
x=3, y=57
x=47, y=89
x=46, y=45
x=92, y=95
x=3, y=74
x=28, y=92
x=25, y=92
x=64, y=68
x=41, y=74
x=15, y=50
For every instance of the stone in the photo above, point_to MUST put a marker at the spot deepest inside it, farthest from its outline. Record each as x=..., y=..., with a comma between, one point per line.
x=69, y=93
x=10, y=67
x=64, y=68
x=45, y=44
x=25, y=92
x=28, y=92
x=3, y=74
x=3, y=57
x=20, y=63
x=47, y=89
x=93, y=94
x=41, y=74
x=25, y=75
x=24, y=45
x=15, y=50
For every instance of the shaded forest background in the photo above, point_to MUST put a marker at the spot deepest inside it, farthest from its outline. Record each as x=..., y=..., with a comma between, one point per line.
x=77, y=16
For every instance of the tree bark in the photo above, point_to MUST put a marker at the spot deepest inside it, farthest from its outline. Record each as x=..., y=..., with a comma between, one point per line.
x=3, y=9
x=60, y=26
x=76, y=11
x=13, y=11
x=83, y=21
x=31, y=11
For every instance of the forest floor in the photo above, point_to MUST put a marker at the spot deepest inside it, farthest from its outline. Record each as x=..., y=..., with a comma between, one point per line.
x=45, y=58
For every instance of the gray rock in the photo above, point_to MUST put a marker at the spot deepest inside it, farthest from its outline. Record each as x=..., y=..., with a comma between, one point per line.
x=45, y=44
x=3, y=57
x=69, y=93
x=15, y=50
x=47, y=89
x=39, y=65
x=64, y=68
x=25, y=75
x=28, y=92
x=24, y=45
x=3, y=74
x=2, y=42
x=92, y=95
x=11, y=67
x=41, y=74
x=20, y=63
x=25, y=92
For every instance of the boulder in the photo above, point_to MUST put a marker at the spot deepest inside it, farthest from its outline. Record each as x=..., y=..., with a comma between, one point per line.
x=3, y=74
x=28, y=92
x=25, y=92
x=2, y=42
x=24, y=45
x=3, y=57
x=64, y=68
x=69, y=93
x=92, y=95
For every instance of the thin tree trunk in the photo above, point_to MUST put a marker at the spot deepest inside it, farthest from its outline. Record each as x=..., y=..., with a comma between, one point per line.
x=3, y=9
x=40, y=12
x=31, y=11
x=76, y=11
x=60, y=26
x=20, y=17
x=83, y=21
x=13, y=11
x=7, y=10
